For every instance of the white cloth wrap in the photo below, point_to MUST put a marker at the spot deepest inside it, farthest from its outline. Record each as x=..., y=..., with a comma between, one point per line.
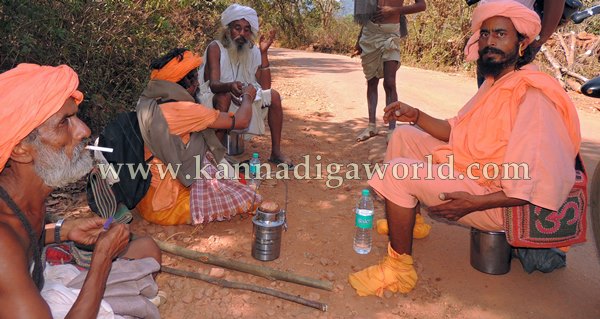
x=237, y=12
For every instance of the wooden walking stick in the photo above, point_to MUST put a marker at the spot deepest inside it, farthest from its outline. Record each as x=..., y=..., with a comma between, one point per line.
x=266, y=272
x=244, y=286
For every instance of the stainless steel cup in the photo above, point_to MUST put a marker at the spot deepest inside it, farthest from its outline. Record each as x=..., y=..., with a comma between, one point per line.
x=235, y=143
x=490, y=252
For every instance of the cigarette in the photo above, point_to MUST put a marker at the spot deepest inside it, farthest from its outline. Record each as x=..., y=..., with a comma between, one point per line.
x=107, y=223
x=98, y=148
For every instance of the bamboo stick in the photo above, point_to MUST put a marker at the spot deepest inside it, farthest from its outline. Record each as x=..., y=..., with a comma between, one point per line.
x=266, y=272
x=244, y=286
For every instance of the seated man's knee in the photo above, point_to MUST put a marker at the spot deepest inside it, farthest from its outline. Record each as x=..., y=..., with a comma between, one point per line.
x=404, y=133
x=143, y=247
x=275, y=99
x=222, y=101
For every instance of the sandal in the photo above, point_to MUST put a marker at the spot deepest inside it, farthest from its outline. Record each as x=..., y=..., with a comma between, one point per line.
x=369, y=132
x=279, y=161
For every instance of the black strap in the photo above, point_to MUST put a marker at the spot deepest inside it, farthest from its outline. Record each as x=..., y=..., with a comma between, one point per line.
x=35, y=244
x=161, y=101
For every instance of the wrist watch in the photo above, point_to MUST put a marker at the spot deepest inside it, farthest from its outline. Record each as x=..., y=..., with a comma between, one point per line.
x=57, y=228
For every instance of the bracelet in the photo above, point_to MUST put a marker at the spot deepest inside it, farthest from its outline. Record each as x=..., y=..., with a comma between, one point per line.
x=265, y=67
x=57, y=228
x=417, y=119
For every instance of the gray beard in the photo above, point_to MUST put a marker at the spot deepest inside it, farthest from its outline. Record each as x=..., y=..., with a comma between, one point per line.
x=239, y=56
x=56, y=169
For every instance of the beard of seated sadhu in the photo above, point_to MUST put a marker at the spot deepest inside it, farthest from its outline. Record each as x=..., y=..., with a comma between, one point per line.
x=238, y=49
x=55, y=167
x=488, y=67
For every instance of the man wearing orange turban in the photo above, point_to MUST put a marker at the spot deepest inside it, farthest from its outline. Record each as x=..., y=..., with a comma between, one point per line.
x=176, y=130
x=518, y=116
x=41, y=148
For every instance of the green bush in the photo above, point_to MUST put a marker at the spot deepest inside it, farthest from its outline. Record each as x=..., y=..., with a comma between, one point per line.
x=110, y=44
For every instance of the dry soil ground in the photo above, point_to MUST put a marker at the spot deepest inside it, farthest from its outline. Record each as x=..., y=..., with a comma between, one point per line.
x=325, y=109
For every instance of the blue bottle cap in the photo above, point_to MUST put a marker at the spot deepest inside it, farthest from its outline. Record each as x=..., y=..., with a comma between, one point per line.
x=365, y=192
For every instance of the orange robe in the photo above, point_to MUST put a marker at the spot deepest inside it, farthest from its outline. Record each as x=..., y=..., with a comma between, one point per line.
x=168, y=201
x=511, y=120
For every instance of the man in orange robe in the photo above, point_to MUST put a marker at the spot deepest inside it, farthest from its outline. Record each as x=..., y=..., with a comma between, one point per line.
x=519, y=116
x=174, y=83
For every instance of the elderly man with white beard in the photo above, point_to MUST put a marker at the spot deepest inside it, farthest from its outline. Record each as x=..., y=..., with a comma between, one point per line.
x=234, y=60
x=42, y=148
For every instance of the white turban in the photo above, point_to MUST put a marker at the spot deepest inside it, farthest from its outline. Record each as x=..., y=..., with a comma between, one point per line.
x=237, y=12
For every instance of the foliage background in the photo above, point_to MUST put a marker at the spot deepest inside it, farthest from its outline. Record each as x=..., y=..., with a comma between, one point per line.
x=110, y=43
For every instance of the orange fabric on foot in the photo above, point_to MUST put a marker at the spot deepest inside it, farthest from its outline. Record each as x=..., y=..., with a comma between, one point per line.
x=382, y=227
x=395, y=273
x=421, y=229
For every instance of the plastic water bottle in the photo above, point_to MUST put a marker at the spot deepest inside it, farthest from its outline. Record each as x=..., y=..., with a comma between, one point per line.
x=364, y=223
x=254, y=166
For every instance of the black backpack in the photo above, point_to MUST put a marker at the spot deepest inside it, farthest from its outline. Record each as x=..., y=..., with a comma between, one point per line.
x=124, y=137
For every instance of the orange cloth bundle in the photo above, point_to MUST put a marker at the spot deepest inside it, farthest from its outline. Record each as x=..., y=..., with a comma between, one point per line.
x=177, y=69
x=421, y=229
x=394, y=273
x=30, y=94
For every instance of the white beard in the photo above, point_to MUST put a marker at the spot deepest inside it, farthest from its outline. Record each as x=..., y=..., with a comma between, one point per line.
x=56, y=169
x=239, y=56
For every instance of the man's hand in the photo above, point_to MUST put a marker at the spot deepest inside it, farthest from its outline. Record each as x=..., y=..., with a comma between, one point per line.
x=399, y=111
x=265, y=43
x=236, y=88
x=112, y=242
x=458, y=205
x=84, y=231
x=383, y=12
x=249, y=90
x=357, y=50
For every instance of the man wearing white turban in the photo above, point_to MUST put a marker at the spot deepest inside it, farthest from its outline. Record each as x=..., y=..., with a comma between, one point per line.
x=43, y=148
x=233, y=61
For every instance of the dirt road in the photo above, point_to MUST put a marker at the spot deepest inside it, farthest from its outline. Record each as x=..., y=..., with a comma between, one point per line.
x=325, y=109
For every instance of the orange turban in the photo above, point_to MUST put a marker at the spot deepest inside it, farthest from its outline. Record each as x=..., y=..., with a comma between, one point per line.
x=525, y=20
x=29, y=95
x=176, y=70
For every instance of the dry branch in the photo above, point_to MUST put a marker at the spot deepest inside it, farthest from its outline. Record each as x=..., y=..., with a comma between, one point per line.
x=266, y=272
x=557, y=67
x=244, y=286
x=590, y=52
x=572, y=74
x=563, y=44
x=571, y=55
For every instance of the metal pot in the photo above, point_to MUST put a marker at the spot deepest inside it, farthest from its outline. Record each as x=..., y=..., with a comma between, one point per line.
x=266, y=234
x=234, y=141
x=490, y=252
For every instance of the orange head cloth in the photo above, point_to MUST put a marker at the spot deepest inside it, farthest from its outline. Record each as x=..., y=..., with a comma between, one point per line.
x=29, y=95
x=176, y=70
x=525, y=20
